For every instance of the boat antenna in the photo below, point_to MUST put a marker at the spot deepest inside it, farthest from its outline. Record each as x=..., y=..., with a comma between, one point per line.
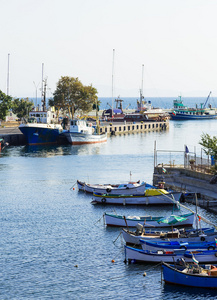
x=8, y=75
x=43, y=88
x=141, y=90
x=113, y=77
x=36, y=89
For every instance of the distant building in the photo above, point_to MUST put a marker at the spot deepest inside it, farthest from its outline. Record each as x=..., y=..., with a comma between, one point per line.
x=11, y=117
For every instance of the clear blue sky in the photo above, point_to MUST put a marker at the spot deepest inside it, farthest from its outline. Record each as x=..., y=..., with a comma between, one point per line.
x=174, y=39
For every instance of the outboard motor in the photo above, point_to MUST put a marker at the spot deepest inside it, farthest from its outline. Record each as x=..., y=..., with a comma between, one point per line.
x=181, y=262
x=139, y=229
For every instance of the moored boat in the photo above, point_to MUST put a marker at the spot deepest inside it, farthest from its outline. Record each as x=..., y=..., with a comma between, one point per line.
x=80, y=132
x=150, y=197
x=191, y=275
x=118, y=189
x=177, y=244
x=148, y=221
x=170, y=256
x=182, y=112
x=134, y=237
x=42, y=126
x=37, y=133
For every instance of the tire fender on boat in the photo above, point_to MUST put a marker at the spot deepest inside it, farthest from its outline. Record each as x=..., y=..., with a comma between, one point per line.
x=210, y=248
x=183, y=247
x=103, y=200
x=202, y=238
x=108, y=190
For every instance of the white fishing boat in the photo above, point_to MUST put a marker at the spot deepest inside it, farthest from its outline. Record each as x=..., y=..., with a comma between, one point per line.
x=135, y=255
x=118, y=189
x=80, y=132
x=149, y=221
x=150, y=197
x=134, y=237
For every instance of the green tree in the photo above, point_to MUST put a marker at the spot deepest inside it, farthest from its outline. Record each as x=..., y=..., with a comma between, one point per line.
x=5, y=105
x=209, y=145
x=21, y=107
x=72, y=95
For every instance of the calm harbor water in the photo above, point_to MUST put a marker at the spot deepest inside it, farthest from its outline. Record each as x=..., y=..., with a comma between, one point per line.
x=54, y=244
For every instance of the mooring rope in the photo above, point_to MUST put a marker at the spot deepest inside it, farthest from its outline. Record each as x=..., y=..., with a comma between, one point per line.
x=73, y=185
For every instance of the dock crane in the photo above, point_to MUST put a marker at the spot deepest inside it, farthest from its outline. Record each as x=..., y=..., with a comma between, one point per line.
x=207, y=100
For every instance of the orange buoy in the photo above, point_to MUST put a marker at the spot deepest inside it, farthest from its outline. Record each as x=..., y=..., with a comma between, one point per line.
x=113, y=260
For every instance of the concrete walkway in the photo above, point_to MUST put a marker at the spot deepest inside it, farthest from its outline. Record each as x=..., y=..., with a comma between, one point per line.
x=206, y=192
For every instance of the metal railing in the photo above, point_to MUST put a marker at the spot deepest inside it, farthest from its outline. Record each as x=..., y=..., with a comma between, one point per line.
x=190, y=160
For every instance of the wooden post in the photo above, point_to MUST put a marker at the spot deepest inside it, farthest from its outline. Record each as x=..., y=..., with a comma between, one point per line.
x=126, y=222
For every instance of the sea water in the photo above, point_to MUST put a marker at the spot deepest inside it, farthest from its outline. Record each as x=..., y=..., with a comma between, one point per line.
x=54, y=244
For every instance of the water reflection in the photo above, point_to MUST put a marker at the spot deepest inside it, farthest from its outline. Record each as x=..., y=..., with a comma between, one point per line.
x=54, y=150
x=180, y=292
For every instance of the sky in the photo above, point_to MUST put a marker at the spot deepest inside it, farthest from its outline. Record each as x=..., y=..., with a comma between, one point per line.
x=106, y=43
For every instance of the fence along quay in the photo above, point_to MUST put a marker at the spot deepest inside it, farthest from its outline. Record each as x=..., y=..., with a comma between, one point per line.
x=188, y=173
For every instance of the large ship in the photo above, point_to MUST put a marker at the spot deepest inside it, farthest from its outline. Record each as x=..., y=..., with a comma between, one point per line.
x=42, y=126
x=182, y=112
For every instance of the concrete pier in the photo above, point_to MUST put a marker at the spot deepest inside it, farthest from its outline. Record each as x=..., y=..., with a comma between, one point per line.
x=14, y=137
x=189, y=181
x=123, y=128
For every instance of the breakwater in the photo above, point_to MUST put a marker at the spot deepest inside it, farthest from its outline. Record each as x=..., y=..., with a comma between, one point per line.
x=14, y=137
x=123, y=128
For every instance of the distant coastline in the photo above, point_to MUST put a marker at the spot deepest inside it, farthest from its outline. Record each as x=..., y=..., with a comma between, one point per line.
x=162, y=102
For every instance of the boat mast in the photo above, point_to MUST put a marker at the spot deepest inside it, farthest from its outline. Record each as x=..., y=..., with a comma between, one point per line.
x=8, y=75
x=141, y=90
x=113, y=77
x=43, y=88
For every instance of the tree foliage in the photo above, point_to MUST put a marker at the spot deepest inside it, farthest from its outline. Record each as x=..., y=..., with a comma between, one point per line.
x=21, y=107
x=5, y=105
x=209, y=145
x=72, y=95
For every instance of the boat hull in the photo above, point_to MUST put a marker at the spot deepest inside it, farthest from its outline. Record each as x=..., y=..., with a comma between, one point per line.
x=138, y=255
x=166, y=199
x=40, y=134
x=181, y=116
x=176, y=244
x=174, y=276
x=111, y=189
x=80, y=185
x=132, y=239
x=147, y=222
x=82, y=138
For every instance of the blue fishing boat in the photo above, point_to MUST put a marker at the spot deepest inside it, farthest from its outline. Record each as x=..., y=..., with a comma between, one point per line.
x=38, y=133
x=170, y=256
x=170, y=245
x=182, y=112
x=42, y=125
x=191, y=275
